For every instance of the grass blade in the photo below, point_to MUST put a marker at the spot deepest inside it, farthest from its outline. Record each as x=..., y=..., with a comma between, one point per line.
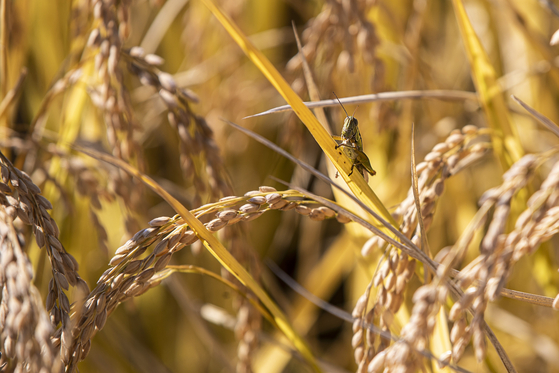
x=506, y=144
x=548, y=123
x=446, y=95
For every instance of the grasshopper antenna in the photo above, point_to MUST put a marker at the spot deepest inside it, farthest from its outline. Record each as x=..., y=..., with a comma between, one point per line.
x=353, y=115
x=346, y=114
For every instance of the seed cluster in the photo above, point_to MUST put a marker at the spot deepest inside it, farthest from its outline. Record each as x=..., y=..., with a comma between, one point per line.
x=21, y=198
x=111, y=96
x=364, y=340
x=126, y=278
x=390, y=280
x=405, y=355
x=341, y=23
x=487, y=276
x=247, y=326
x=199, y=154
x=446, y=159
x=265, y=199
x=539, y=222
x=24, y=323
x=483, y=279
x=129, y=275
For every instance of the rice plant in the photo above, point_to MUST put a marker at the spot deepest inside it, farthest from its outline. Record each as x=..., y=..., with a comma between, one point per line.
x=178, y=191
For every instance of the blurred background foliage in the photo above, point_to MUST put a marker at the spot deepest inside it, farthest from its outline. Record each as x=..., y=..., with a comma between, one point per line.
x=378, y=46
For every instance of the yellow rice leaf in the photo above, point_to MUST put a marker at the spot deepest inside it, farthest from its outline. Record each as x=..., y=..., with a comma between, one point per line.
x=506, y=142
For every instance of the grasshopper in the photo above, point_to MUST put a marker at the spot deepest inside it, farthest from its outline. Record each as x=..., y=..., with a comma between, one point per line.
x=352, y=144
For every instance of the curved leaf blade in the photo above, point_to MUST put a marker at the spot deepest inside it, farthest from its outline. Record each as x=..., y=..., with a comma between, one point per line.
x=506, y=144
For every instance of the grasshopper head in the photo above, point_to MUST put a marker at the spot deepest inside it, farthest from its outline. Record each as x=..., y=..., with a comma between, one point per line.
x=351, y=126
